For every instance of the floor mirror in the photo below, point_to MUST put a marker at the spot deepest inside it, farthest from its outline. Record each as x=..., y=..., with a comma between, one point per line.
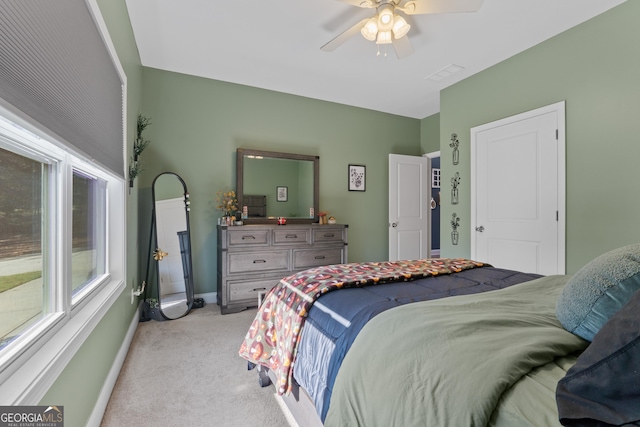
x=171, y=249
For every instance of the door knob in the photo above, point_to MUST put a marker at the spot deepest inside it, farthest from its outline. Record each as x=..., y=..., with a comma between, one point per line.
x=480, y=229
x=394, y=224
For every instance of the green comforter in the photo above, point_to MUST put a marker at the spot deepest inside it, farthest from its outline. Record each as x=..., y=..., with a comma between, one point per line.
x=447, y=362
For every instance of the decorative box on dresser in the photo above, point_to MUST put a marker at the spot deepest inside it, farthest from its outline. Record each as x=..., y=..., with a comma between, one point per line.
x=253, y=258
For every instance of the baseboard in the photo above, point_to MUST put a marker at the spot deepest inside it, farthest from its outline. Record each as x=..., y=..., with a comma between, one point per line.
x=209, y=297
x=112, y=377
x=435, y=253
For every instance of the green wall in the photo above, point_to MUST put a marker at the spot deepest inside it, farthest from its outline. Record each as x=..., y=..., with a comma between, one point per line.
x=199, y=123
x=595, y=68
x=430, y=134
x=79, y=385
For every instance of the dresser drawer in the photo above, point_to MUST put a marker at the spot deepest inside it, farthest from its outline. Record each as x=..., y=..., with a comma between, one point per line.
x=307, y=258
x=328, y=235
x=243, y=262
x=244, y=237
x=284, y=236
x=249, y=290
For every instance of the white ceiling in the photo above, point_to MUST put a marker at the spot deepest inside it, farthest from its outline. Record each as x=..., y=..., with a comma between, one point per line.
x=276, y=44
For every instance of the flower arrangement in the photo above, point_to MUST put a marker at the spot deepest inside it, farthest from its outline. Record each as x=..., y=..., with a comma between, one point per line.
x=455, y=221
x=454, y=141
x=455, y=181
x=227, y=202
x=454, y=144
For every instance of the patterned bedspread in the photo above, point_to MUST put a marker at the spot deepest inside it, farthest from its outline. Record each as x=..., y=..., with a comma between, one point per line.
x=275, y=332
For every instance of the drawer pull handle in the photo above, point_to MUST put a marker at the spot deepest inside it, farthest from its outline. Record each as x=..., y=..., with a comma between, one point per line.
x=319, y=256
x=329, y=235
x=248, y=237
x=260, y=289
x=291, y=236
x=259, y=261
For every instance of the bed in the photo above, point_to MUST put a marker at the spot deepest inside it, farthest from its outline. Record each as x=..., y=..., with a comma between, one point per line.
x=452, y=342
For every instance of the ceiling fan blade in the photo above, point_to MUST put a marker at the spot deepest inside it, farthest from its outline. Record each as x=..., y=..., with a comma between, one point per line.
x=343, y=37
x=421, y=7
x=361, y=3
x=402, y=46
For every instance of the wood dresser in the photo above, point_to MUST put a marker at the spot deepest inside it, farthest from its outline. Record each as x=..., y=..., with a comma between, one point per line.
x=253, y=258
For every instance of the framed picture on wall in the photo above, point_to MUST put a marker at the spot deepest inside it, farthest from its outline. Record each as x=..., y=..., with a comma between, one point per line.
x=357, y=178
x=282, y=194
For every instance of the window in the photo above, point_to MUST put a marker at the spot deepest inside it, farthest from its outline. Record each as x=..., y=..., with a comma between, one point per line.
x=88, y=230
x=62, y=254
x=435, y=178
x=22, y=196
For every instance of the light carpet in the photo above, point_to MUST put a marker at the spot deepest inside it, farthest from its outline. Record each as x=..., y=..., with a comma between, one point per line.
x=187, y=372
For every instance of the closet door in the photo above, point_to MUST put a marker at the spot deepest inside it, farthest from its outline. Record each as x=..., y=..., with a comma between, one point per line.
x=519, y=194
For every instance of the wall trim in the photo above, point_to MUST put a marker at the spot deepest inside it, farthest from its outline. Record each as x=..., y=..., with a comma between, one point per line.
x=209, y=297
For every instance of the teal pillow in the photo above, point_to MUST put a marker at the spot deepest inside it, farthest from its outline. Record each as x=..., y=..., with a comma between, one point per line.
x=598, y=290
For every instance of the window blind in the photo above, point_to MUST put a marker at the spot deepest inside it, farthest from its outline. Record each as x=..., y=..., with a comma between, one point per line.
x=56, y=68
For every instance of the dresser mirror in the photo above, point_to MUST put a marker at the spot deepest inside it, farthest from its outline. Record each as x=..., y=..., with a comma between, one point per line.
x=272, y=185
x=171, y=252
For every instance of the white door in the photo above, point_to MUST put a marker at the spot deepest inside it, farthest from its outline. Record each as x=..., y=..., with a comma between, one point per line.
x=518, y=192
x=409, y=209
x=170, y=219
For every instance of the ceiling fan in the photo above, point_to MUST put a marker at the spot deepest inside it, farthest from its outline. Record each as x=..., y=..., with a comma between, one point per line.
x=389, y=27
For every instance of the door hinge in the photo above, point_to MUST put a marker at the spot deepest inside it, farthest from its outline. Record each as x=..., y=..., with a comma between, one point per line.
x=557, y=134
x=557, y=216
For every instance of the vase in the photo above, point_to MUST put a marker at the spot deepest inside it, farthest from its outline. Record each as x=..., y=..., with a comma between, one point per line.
x=454, y=237
x=456, y=156
x=454, y=196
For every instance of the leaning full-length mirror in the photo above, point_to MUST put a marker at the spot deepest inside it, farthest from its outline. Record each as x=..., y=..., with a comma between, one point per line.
x=172, y=254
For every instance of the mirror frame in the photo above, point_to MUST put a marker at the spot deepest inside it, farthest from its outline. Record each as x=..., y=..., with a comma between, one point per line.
x=241, y=152
x=189, y=285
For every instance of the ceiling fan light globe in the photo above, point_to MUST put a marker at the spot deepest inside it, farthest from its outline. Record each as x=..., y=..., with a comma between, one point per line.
x=400, y=27
x=385, y=18
x=384, y=37
x=370, y=30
